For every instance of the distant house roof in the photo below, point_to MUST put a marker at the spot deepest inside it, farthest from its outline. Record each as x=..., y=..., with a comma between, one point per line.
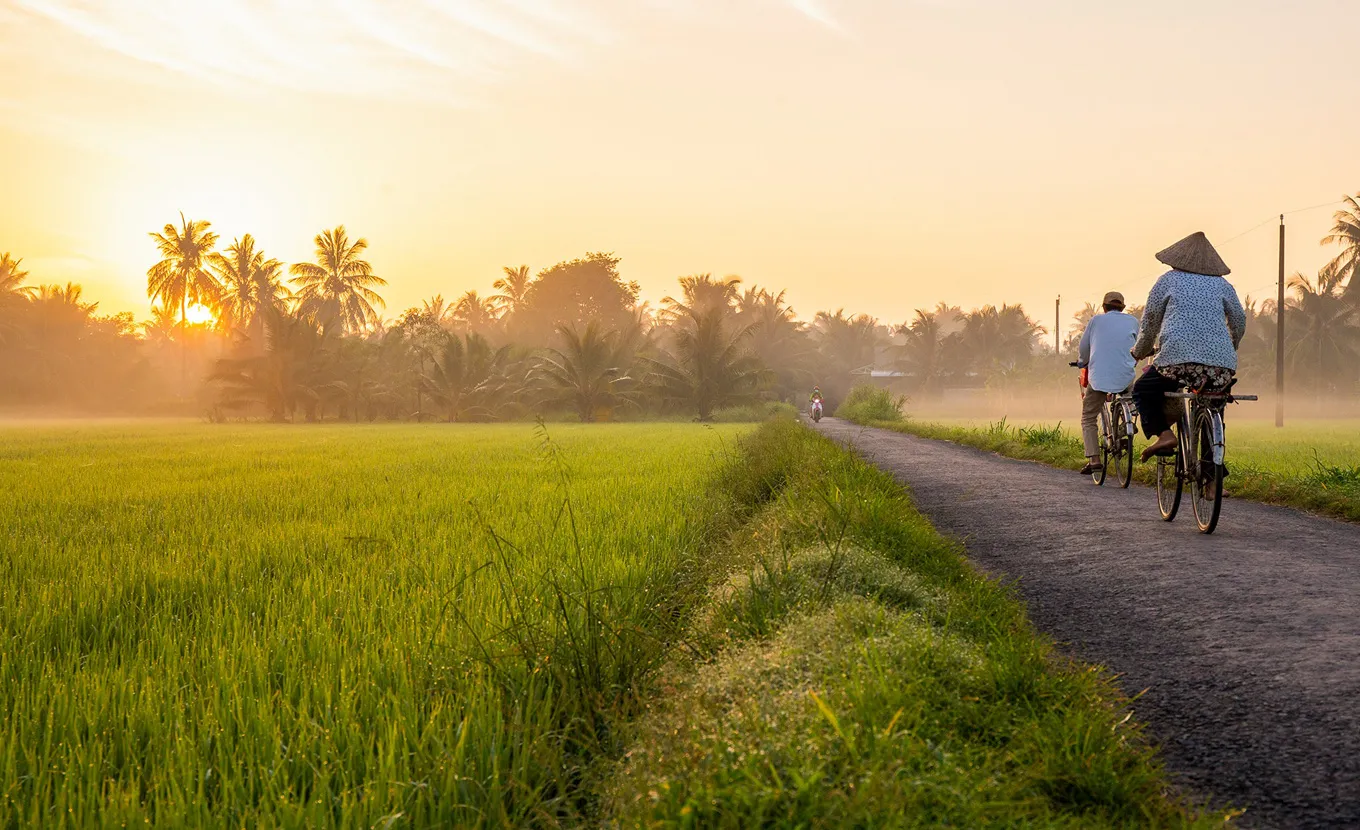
x=874, y=372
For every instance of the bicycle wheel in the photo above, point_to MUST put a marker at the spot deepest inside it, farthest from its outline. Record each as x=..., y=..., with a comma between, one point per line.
x=1098, y=477
x=1169, y=485
x=1123, y=443
x=1206, y=476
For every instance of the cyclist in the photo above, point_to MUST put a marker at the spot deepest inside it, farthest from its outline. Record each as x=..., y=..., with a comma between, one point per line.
x=1196, y=322
x=1105, y=353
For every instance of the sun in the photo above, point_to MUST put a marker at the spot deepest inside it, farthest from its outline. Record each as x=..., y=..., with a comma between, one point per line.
x=199, y=315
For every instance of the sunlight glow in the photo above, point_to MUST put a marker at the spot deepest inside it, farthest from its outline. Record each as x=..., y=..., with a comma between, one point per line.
x=198, y=315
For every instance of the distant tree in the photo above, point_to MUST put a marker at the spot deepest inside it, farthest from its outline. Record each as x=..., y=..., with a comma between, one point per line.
x=473, y=313
x=437, y=310
x=573, y=292
x=285, y=378
x=589, y=372
x=182, y=276
x=12, y=288
x=250, y=284
x=930, y=347
x=777, y=339
x=1323, y=330
x=13, y=295
x=467, y=378
x=513, y=289
x=702, y=292
x=1080, y=321
x=709, y=365
x=1346, y=233
x=338, y=288
x=1000, y=338
x=163, y=327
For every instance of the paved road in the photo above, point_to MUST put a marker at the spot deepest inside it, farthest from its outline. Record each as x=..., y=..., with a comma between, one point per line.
x=1247, y=641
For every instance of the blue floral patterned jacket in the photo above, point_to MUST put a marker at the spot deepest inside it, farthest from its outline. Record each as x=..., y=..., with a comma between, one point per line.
x=1192, y=318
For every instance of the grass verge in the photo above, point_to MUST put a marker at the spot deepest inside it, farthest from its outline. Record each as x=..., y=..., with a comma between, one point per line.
x=856, y=671
x=1318, y=486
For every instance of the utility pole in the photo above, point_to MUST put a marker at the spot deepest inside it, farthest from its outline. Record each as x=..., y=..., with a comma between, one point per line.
x=1057, y=327
x=1279, y=337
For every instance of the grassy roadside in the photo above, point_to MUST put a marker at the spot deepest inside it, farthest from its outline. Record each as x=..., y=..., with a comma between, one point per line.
x=1319, y=487
x=856, y=671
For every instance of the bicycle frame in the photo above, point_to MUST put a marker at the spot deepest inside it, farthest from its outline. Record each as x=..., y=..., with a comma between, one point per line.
x=1200, y=448
x=1213, y=403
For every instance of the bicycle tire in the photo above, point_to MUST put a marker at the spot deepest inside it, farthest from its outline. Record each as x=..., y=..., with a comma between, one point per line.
x=1123, y=457
x=1206, y=476
x=1168, y=493
x=1098, y=477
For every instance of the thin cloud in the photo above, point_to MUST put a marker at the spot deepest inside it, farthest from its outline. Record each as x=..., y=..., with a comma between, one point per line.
x=815, y=10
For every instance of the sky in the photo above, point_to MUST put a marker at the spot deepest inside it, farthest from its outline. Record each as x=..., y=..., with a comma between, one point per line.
x=874, y=155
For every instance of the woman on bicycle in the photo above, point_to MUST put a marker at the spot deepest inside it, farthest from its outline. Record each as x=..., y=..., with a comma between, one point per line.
x=1195, y=320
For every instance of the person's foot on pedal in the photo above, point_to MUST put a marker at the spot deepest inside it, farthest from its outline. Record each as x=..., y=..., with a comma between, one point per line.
x=1091, y=467
x=1165, y=441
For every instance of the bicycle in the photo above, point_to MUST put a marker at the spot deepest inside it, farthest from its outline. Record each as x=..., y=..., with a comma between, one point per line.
x=1197, y=457
x=1118, y=426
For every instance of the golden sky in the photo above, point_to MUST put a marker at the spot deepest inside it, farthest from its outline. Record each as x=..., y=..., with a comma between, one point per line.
x=876, y=155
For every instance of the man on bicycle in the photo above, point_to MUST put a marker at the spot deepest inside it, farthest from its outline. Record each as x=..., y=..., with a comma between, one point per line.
x=1105, y=353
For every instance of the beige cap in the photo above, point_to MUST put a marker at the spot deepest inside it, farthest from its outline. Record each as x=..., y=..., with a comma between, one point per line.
x=1113, y=298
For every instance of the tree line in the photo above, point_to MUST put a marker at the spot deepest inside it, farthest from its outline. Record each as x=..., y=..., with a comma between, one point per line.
x=309, y=341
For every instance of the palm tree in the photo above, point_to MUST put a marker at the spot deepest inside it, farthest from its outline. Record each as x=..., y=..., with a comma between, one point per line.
x=513, y=288
x=777, y=338
x=701, y=292
x=182, y=276
x=338, y=287
x=1080, y=321
x=437, y=310
x=1346, y=233
x=473, y=312
x=1000, y=338
x=589, y=373
x=250, y=285
x=468, y=378
x=13, y=293
x=12, y=288
x=163, y=326
x=286, y=376
x=710, y=365
x=931, y=341
x=1322, y=329
x=848, y=342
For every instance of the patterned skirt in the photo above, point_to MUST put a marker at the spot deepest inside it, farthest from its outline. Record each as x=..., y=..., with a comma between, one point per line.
x=1198, y=377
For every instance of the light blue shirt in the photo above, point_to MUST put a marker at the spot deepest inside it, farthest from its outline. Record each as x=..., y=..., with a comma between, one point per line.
x=1192, y=318
x=1105, y=349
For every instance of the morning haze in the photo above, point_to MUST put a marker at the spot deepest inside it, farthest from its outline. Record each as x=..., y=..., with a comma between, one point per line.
x=876, y=156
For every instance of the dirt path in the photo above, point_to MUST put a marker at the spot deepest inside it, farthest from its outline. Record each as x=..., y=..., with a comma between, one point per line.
x=1247, y=641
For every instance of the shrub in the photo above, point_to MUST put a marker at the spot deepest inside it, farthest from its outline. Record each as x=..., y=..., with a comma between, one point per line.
x=867, y=403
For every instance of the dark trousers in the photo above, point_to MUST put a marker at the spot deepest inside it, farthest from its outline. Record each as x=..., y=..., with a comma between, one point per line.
x=1149, y=395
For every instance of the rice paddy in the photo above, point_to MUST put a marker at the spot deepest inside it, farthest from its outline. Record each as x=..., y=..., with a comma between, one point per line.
x=331, y=626
x=1293, y=450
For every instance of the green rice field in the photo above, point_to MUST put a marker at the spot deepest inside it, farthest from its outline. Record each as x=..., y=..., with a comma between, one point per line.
x=1293, y=449
x=374, y=626
x=1310, y=464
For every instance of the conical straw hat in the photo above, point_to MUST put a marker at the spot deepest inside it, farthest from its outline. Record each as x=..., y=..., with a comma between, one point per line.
x=1196, y=255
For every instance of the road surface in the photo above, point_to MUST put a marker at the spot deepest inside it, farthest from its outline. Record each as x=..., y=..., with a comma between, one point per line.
x=1247, y=642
